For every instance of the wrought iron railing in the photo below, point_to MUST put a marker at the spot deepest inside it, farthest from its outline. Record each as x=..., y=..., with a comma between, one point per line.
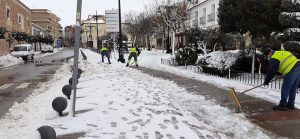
x=244, y=77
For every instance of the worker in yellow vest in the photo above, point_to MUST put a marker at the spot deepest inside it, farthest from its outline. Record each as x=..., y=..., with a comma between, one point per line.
x=133, y=52
x=288, y=66
x=105, y=53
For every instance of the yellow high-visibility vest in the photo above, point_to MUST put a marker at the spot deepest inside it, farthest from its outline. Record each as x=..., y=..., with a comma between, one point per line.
x=287, y=61
x=133, y=50
x=104, y=49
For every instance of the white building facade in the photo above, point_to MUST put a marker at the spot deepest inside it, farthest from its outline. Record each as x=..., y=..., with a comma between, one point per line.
x=203, y=13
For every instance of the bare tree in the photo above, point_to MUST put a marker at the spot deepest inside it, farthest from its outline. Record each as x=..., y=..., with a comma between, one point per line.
x=173, y=16
x=141, y=27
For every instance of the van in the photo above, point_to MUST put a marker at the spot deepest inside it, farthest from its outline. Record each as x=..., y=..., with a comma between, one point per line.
x=47, y=48
x=25, y=51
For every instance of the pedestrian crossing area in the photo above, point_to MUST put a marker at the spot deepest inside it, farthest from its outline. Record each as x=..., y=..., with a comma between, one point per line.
x=5, y=86
x=17, y=86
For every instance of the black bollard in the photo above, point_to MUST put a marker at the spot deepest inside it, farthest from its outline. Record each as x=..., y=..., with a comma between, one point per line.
x=67, y=90
x=71, y=81
x=59, y=104
x=47, y=132
x=80, y=71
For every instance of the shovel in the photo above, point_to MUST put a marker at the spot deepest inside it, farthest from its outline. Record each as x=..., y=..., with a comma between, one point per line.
x=234, y=96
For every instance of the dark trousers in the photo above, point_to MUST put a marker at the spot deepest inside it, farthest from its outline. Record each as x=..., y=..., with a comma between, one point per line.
x=105, y=54
x=290, y=86
x=134, y=55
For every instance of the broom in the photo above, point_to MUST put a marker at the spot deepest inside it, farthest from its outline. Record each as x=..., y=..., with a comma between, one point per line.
x=234, y=96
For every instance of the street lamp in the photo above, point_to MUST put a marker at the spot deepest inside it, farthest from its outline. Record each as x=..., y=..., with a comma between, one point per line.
x=121, y=52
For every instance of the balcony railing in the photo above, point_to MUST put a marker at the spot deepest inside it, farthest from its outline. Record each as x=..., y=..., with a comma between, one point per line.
x=211, y=17
x=202, y=20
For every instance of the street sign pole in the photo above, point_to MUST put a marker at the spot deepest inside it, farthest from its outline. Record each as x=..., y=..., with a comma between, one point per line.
x=76, y=55
x=121, y=52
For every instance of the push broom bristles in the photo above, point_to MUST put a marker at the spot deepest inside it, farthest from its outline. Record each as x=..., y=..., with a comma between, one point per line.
x=235, y=99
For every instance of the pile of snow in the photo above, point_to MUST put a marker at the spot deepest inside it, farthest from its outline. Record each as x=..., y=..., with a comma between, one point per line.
x=220, y=59
x=9, y=60
x=120, y=102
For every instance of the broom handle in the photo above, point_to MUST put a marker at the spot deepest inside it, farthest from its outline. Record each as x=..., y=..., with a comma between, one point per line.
x=256, y=87
x=250, y=89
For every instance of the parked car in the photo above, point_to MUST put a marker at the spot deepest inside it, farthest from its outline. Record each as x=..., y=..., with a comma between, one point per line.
x=47, y=48
x=25, y=51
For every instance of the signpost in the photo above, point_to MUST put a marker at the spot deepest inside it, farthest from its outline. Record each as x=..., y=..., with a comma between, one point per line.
x=112, y=21
x=113, y=25
x=76, y=55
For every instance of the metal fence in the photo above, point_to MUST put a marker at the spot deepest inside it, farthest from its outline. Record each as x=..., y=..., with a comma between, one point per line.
x=246, y=78
x=170, y=62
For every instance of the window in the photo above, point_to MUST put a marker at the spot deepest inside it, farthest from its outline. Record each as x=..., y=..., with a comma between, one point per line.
x=203, y=18
x=8, y=13
x=213, y=8
x=19, y=19
x=211, y=16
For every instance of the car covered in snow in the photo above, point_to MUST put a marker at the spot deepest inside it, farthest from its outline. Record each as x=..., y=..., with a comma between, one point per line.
x=25, y=51
x=47, y=48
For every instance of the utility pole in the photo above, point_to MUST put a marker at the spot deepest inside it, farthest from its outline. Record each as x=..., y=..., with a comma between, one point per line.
x=90, y=35
x=97, y=32
x=76, y=55
x=121, y=52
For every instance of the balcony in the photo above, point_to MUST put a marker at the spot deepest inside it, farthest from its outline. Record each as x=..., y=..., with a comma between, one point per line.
x=211, y=17
x=202, y=20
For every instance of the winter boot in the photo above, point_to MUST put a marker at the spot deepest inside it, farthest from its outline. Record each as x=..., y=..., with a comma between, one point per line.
x=127, y=65
x=280, y=107
x=291, y=106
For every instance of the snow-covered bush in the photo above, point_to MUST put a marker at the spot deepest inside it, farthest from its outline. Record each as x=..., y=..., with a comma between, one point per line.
x=235, y=60
x=219, y=59
x=293, y=5
x=290, y=17
x=186, y=56
x=244, y=63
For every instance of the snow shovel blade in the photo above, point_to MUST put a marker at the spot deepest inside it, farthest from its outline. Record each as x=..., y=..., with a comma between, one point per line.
x=235, y=99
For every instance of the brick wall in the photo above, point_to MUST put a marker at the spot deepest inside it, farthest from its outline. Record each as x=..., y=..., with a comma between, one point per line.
x=11, y=23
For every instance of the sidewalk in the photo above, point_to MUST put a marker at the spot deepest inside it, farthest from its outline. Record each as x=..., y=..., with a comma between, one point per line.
x=282, y=123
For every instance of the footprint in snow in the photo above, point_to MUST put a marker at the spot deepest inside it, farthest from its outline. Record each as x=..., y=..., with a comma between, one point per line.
x=124, y=118
x=113, y=124
x=134, y=128
x=158, y=135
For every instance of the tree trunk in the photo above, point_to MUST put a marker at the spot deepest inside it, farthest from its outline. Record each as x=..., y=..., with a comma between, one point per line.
x=148, y=43
x=163, y=43
x=173, y=43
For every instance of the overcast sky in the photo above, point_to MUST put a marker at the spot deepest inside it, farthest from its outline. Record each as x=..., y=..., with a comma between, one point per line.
x=65, y=9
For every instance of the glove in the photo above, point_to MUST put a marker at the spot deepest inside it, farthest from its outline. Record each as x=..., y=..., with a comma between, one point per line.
x=266, y=83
